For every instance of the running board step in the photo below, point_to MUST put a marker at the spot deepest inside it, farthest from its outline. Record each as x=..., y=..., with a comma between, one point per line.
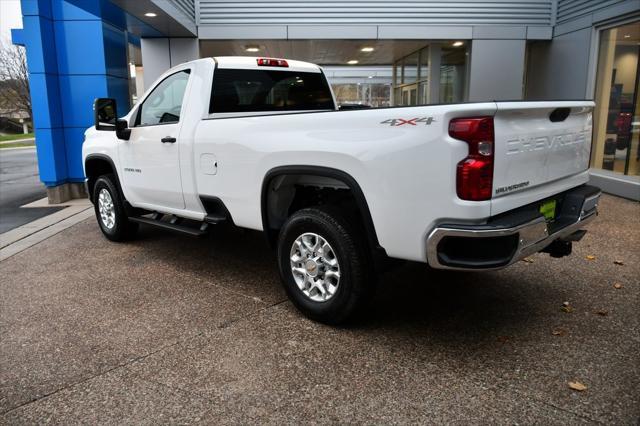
x=213, y=218
x=194, y=232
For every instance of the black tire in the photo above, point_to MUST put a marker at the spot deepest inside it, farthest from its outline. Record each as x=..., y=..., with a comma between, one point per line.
x=122, y=229
x=354, y=287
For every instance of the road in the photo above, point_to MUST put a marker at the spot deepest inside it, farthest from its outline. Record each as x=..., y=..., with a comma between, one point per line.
x=19, y=185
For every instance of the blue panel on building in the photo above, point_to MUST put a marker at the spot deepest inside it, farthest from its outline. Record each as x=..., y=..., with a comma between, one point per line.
x=74, y=137
x=75, y=37
x=36, y=7
x=77, y=93
x=52, y=156
x=115, y=51
x=76, y=52
x=73, y=10
x=119, y=90
x=45, y=101
x=41, y=49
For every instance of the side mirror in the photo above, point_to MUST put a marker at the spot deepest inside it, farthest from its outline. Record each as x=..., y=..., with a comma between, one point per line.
x=122, y=129
x=105, y=114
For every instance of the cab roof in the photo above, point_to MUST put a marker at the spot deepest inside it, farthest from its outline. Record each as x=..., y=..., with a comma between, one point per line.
x=251, y=62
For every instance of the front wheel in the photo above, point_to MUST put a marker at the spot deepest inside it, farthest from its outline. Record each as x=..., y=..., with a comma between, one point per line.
x=324, y=265
x=110, y=211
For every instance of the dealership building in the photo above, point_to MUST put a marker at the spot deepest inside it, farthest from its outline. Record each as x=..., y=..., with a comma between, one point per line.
x=375, y=53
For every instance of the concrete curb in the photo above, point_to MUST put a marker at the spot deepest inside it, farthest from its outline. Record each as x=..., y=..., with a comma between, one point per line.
x=16, y=240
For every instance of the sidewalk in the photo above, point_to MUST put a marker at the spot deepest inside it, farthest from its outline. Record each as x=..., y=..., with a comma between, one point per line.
x=25, y=236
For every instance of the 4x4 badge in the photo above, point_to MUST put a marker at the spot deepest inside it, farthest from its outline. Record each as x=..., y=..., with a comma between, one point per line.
x=412, y=122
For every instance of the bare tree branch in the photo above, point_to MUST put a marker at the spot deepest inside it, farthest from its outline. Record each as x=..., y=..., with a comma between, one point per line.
x=15, y=98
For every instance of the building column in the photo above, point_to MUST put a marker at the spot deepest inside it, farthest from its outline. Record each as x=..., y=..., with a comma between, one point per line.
x=435, y=59
x=160, y=54
x=73, y=57
x=497, y=70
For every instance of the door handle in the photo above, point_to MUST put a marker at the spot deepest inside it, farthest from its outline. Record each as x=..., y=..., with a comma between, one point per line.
x=168, y=139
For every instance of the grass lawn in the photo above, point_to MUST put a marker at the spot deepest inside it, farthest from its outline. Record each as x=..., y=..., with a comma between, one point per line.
x=16, y=144
x=4, y=138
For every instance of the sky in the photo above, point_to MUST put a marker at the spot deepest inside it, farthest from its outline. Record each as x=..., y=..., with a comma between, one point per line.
x=10, y=17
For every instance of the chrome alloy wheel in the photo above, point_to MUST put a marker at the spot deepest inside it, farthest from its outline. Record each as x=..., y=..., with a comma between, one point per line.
x=106, y=209
x=315, y=267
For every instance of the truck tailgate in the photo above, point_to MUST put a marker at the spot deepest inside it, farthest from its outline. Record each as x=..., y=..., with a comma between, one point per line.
x=537, y=144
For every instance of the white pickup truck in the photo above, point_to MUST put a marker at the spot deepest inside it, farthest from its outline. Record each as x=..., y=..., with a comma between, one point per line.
x=260, y=143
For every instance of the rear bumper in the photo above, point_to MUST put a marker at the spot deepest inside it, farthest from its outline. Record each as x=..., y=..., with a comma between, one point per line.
x=512, y=236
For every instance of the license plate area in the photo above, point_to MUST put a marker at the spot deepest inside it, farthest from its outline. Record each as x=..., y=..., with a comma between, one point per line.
x=548, y=209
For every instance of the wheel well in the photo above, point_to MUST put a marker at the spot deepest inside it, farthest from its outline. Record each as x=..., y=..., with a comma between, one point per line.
x=287, y=190
x=94, y=168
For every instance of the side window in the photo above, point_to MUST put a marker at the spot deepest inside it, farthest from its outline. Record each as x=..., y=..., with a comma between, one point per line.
x=164, y=103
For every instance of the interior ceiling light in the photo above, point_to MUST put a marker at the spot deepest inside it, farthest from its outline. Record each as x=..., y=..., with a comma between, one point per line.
x=458, y=43
x=627, y=35
x=352, y=62
x=150, y=14
x=367, y=49
x=252, y=48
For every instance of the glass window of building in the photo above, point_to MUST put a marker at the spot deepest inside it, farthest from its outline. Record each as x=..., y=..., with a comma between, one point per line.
x=616, y=129
x=364, y=86
x=453, y=74
x=414, y=87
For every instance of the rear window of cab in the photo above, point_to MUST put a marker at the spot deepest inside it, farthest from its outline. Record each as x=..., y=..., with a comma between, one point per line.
x=236, y=90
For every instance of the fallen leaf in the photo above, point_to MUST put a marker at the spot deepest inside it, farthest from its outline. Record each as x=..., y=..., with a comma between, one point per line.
x=577, y=386
x=617, y=286
x=527, y=260
x=618, y=262
x=591, y=257
x=558, y=332
x=602, y=313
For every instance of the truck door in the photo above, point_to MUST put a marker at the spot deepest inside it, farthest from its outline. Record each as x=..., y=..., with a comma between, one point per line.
x=150, y=158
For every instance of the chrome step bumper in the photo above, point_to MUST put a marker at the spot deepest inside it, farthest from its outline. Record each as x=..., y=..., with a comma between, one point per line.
x=523, y=239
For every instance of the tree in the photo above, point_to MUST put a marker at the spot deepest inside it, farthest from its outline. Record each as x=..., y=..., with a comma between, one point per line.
x=15, y=98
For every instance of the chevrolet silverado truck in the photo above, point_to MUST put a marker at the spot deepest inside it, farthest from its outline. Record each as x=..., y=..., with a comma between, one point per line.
x=259, y=143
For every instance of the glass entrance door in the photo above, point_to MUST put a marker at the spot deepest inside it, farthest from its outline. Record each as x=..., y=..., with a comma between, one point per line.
x=410, y=95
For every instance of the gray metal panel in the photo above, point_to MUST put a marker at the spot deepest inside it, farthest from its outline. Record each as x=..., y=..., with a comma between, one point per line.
x=453, y=12
x=615, y=183
x=571, y=9
x=559, y=69
x=499, y=32
x=333, y=32
x=539, y=33
x=183, y=50
x=497, y=70
x=576, y=24
x=188, y=7
x=427, y=32
x=629, y=6
x=155, y=57
x=242, y=32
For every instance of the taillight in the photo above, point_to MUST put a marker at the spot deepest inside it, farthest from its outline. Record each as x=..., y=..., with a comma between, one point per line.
x=475, y=173
x=270, y=62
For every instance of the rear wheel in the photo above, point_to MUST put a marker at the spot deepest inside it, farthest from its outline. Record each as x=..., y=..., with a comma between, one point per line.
x=110, y=211
x=324, y=265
